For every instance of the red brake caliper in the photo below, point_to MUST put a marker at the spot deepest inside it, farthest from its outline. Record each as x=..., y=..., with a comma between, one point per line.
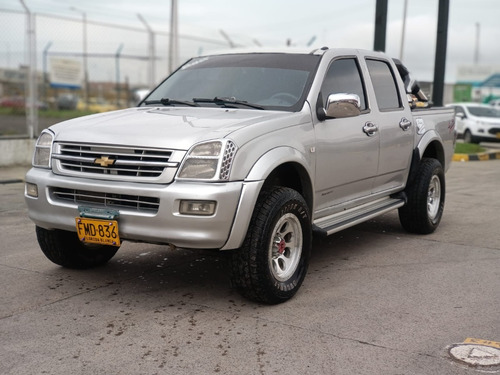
x=281, y=247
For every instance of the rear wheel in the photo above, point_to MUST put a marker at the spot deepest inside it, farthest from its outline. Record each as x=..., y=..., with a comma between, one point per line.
x=469, y=138
x=65, y=249
x=272, y=263
x=424, y=209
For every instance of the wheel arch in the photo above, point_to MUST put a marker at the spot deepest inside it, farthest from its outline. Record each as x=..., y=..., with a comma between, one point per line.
x=282, y=166
x=435, y=150
x=287, y=167
x=430, y=146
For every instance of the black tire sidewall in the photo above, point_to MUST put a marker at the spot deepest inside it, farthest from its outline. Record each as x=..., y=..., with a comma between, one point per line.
x=65, y=249
x=251, y=272
x=414, y=215
x=284, y=288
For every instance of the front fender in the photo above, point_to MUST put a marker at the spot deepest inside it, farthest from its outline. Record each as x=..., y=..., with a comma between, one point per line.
x=273, y=159
x=253, y=184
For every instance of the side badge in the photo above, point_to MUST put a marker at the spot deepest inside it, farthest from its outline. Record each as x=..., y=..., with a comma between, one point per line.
x=420, y=125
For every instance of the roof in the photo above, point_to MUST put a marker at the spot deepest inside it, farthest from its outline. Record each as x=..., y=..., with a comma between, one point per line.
x=289, y=50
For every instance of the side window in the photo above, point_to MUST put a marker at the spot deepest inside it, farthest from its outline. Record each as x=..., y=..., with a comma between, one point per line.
x=384, y=84
x=459, y=111
x=343, y=77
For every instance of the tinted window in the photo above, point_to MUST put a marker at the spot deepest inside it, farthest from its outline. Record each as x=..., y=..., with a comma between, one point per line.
x=459, y=110
x=343, y=77
x=274, y=81
x=484, y=111
x=384, y=84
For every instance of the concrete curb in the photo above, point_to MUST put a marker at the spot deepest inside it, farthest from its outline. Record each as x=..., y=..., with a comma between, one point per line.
x=16, y=151
x=491, y=155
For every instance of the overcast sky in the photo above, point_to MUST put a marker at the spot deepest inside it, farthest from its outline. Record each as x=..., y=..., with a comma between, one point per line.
x=334, y=23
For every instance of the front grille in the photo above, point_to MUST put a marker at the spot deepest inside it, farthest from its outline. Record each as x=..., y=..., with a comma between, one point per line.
x=494, y=131
x=118, y=201
x=128, y=163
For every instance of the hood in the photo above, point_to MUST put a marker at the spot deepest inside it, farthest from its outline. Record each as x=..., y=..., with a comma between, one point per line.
x=169, y=127
x=486, y=120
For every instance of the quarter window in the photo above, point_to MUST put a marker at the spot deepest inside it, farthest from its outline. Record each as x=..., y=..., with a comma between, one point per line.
x=384, y=84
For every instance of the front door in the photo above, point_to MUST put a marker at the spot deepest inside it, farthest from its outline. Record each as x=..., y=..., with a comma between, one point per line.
x=346, y=156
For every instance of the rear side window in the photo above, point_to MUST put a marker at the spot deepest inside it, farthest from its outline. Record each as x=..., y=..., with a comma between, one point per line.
x=343, y=77
x=384, y=84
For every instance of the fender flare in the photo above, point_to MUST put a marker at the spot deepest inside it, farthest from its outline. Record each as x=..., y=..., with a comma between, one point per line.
x=272, y=159
x=253, y=184
x=419, y=151
x=426, y=140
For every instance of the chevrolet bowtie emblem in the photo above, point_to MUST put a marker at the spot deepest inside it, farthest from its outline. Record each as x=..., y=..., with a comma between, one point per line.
x=104, y=161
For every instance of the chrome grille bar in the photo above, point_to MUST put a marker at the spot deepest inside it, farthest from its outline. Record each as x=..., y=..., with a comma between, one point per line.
x=114, y=162
x=121, y=201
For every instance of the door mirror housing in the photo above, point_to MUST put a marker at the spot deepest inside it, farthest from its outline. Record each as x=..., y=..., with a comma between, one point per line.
x=340, y=106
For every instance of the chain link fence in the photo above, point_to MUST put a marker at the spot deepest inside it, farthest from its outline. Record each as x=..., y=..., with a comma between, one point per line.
x=79, y=65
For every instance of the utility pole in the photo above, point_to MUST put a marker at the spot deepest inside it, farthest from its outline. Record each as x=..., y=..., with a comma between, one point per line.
x=151, y=48
x=86, y=88
x=380, y=25
x=117, y=62
x=405, y=8
x=476, y=47
x=31, y=100
x=441, y=44
x=45, y=73
x=173, y=47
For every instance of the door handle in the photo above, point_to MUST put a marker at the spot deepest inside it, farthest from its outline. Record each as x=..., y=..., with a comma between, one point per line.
x=370, y=129
x=405, y=124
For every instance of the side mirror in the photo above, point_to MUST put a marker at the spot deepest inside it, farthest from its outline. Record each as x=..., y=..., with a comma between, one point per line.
x=342, y=105
x=460, y=115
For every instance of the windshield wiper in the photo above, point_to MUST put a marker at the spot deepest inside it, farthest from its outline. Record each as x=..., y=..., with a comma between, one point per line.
x=167, y=101
x=227, y=101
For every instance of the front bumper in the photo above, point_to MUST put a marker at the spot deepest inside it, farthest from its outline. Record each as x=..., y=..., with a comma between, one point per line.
x=167, y=225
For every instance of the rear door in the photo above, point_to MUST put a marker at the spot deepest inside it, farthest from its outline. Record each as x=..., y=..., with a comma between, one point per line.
x=393, y=118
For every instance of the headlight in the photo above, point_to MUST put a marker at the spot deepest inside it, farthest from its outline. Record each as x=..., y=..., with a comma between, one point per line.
x=208, y=161
x=43, y=150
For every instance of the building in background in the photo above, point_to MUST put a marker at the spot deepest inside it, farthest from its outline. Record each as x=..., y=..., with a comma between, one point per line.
x=477, y=83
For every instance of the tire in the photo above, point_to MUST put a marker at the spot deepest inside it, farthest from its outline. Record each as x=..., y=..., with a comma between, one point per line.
x=272, y=262
x=424, y=209
x=65, y=249
x=469, y=138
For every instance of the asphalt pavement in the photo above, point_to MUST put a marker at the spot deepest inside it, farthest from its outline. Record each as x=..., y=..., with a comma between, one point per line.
x=376, y=300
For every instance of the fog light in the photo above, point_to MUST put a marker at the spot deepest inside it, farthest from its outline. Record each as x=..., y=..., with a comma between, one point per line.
x=31, y=190
x=201, y=208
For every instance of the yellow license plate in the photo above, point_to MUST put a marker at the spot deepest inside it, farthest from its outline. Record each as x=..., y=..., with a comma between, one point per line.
x=498, y=135
x=104, y=232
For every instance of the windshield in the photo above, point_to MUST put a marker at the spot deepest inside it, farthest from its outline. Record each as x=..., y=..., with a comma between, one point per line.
x=270, y=81
x=484, y=112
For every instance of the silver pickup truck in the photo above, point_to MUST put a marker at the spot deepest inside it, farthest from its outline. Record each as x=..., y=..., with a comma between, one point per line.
x=250, y=152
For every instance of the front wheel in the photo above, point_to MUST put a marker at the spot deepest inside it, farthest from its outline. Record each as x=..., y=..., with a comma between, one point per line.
x=273, y=261
x=424, y=209
x=65, y=249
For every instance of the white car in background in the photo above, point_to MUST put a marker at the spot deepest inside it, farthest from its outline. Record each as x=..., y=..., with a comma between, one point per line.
x=477, y=122
x=495, y=103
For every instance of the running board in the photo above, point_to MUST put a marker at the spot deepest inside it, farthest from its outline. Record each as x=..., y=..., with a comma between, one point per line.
x=345, y=219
